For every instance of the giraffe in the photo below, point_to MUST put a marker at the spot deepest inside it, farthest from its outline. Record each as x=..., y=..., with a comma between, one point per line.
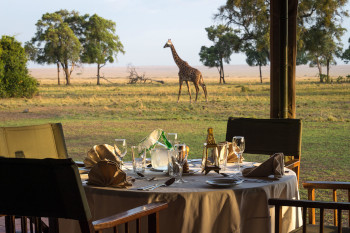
x=187, y=73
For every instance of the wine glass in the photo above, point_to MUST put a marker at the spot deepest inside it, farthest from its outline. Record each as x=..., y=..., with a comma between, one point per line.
x=238, y=144
x=120, y=148
x=172, y=138
x=180, y=159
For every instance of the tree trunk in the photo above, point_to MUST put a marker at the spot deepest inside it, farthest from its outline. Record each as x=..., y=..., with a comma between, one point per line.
x=260, y=74
x=58, y=73
x=328, y=79
x=319, y=70
x=222, y=72
x=98, y=74
x=66, y=72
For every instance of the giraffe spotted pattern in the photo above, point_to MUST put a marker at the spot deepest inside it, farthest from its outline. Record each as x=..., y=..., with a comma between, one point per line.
x=187, y=73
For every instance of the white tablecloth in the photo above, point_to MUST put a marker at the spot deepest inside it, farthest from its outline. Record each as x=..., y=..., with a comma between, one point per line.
x=196, y=207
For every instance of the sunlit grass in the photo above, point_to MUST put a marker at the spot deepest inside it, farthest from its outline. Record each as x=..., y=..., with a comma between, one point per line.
x=93, y=114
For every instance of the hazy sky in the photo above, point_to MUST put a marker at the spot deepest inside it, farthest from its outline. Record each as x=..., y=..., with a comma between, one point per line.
x=142, y=25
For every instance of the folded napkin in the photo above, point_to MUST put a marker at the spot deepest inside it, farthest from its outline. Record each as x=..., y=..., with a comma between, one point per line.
x=107, y=173
x=273, y=166
x=232, y=157
x=102, y=152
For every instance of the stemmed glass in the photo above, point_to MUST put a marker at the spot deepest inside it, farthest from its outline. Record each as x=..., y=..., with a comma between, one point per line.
x=238, y=144
x=180, y=159
x=172, y=138
x=120, y=148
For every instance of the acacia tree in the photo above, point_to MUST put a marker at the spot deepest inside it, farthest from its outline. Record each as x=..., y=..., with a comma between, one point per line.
x=56, y=43
x=250, y=21
x=320, y=33
x=101, y=44
x=257, y=58
x=225, y=43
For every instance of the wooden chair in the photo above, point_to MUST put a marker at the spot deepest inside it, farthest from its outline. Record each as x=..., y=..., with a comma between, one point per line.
x=269, y=136
x=311, y=186
x=35, y=141
x=52, y=188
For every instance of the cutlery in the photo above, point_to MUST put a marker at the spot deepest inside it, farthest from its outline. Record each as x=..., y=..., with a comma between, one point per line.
x=145, y=187
x=167, y=183
x=142, y=176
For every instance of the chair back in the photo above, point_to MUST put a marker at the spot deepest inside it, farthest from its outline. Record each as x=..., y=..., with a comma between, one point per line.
x=36, y=141
x=42, y=188
x=267, y=136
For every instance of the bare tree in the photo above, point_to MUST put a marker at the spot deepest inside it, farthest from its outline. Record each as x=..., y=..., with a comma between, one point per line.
x=134, y=77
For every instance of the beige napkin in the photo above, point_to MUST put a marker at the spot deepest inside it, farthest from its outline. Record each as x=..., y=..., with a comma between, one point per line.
x=107, y=173
x=101, y=152
x=232, y=157
x=273, y=166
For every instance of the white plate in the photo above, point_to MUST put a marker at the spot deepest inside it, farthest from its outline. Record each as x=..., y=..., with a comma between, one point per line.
x=223, y=182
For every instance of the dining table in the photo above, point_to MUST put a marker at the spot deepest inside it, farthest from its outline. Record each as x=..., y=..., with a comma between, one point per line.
x=201, y=204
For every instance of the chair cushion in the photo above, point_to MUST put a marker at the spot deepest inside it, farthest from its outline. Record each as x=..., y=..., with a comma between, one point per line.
x=316, y=229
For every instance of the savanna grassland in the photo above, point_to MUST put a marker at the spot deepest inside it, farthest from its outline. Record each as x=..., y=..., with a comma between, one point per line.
x=93, y=114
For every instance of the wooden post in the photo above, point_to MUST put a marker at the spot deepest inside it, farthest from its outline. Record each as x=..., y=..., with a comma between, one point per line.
x=282, y=58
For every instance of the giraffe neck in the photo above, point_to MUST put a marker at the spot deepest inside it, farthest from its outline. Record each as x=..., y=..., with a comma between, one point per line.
x=176, y=57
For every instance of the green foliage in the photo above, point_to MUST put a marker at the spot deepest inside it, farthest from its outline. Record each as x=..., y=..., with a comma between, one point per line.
x=325, y=78
x=250, y=20
x=319, y=32
x=346, y=54
x=341, y=79
x=225, y=43
x=101, y=44
x=14, y=78
x=319, y=28
x=56, y=42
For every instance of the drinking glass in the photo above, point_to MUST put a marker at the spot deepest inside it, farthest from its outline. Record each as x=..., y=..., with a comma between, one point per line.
x=223, y=153
x=172, y=138
x=138, y=159
x=120, y=147
x=238, y=144
x=180, y=159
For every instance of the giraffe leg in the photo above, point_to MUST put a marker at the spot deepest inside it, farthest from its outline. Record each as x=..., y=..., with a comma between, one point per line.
x=197, y=90
x=189, y=91
x=205, y=91
x=178, y=98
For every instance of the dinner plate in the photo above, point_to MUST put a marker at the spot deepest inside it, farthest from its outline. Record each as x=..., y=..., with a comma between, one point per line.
x=224, y=182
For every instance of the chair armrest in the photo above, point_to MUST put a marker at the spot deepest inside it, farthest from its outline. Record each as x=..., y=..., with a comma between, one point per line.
x=326, y=185
x=129, y=215
x=292, y=164
x=80, y=163
x=310, y=204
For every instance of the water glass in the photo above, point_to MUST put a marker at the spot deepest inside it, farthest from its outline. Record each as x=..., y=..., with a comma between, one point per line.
x=238, y=144
x=138, y=159
x=223, y=153
x=173, y=169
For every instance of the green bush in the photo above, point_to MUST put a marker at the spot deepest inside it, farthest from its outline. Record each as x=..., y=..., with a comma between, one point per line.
x=340, y=79
x=325, y=78
x=14, y=78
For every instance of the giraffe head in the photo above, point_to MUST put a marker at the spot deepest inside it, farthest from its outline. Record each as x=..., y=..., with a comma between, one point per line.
x=168, y=44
